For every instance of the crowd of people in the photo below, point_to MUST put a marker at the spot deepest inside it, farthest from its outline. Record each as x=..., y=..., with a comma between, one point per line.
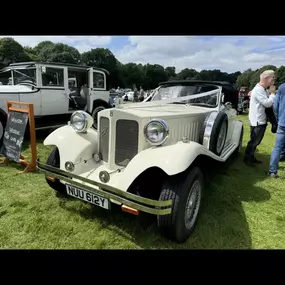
x=263, y=99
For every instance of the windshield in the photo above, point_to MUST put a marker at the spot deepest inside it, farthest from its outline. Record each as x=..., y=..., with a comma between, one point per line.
x=5, y=78
x=24, y=76
x=175, y=91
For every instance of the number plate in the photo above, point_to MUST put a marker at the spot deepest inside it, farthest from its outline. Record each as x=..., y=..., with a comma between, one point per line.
x=88, y=197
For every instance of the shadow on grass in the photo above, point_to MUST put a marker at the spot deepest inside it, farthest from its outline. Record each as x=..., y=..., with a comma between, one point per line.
x=222, y=222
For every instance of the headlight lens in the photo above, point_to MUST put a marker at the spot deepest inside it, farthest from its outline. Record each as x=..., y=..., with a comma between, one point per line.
x=156, y=132
x=79, y=121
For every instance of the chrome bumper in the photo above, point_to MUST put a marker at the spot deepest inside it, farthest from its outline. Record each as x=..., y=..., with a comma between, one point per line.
x=139, y=203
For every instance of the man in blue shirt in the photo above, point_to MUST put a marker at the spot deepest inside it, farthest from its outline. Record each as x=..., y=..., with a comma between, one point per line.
x=279, y=111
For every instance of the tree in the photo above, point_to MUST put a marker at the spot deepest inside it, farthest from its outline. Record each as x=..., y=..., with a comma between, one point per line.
x=103, y=58
x=244, y=78
x=58, y=53
x=280, y=76
x=32, y=54
x=42, y=45
x=170, y=72
x=133, y=74
x=11, y=51
x=154, y=74
x=187, y=73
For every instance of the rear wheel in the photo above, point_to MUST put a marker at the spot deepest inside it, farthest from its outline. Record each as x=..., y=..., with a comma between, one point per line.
x=54, y=160
x=186, y=195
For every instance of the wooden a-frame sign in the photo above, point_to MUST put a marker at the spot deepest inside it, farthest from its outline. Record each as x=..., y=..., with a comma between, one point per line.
x=30, y=166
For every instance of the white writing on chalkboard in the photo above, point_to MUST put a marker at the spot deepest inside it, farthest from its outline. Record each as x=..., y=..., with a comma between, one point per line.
x=17, y=121
x=14, y=135
x=13, y=131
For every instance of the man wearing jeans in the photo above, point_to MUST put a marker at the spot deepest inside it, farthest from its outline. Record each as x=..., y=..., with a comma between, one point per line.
x=259, y=100
x=279, y=111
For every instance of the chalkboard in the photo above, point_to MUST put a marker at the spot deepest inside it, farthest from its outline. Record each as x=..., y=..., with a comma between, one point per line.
x=14, y=135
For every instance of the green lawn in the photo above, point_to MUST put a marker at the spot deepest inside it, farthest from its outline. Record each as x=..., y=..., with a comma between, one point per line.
x=242, y=209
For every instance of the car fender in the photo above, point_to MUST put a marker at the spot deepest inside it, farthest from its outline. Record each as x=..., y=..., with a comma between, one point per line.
x=171, y=159
x=236, y=132
x=72, y=145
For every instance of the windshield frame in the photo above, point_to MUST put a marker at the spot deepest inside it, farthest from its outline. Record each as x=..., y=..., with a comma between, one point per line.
x=218, y=99
x=19, y=71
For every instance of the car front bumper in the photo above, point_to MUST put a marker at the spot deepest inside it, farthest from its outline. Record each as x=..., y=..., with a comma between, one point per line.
x=150, y=206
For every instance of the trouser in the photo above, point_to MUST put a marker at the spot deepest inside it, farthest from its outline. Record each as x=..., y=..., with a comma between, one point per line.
x=283, y=153
x=277, y=150
x=256, y=136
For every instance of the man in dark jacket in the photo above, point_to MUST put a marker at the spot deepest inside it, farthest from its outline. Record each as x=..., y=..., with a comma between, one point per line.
x=279, y=111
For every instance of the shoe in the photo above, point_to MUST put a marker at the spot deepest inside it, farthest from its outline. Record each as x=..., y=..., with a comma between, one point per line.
x=271, y=174
x=273, y=129
x=257, y=161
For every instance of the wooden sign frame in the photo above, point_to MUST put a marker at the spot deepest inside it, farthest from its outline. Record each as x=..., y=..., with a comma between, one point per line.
x=32, y=165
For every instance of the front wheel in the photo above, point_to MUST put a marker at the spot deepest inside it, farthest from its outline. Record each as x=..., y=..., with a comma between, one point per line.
x=186, y=195
x=95, y=115
x=54, y=160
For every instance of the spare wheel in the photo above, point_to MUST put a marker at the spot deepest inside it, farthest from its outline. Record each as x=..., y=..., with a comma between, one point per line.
x=215, y=132
x=219, y=133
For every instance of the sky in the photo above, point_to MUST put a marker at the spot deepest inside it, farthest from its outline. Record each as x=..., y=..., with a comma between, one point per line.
x=227, y=53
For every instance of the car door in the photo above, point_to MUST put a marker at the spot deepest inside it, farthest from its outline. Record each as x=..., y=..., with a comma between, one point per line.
x=54, y=89
x=98, y=87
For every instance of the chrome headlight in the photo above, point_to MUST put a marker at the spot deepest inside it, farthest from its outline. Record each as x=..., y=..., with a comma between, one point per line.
x=156, y=131
x=81, y=121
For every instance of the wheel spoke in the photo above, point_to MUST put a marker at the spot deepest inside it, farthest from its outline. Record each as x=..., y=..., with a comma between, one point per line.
x=192, y=204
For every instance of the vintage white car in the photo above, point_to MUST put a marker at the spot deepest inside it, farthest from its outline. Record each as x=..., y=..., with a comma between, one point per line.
x=56, y=90
x=146, y=157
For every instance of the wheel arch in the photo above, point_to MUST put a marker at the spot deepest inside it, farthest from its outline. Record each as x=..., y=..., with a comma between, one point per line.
x=151, y=179
x=100, y=102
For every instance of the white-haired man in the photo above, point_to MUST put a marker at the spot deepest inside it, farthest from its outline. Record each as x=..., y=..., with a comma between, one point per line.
x=259, y=100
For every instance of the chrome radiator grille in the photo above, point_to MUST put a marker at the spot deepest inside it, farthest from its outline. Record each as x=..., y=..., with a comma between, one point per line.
x=104, y=138
x=127, y=136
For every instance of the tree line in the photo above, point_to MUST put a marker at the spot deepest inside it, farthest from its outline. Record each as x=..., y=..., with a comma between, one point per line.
x=123, y=75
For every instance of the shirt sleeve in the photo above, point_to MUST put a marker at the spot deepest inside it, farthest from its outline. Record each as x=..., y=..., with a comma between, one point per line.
x=263, y=99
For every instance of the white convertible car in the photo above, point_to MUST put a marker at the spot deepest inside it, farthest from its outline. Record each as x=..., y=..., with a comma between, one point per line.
x=147, y=157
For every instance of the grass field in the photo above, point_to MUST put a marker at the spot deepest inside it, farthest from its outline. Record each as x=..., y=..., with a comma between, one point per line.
x=242, y=209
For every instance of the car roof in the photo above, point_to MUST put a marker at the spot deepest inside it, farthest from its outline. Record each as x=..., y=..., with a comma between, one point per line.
x=194, y=82
x=57, y=64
